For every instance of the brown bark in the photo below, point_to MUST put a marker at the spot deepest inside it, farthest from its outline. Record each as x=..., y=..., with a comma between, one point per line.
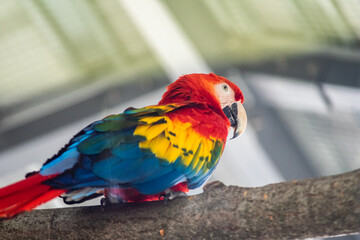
x=318, y=207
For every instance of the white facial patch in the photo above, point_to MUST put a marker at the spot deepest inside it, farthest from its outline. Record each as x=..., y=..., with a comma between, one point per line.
x=225, y=94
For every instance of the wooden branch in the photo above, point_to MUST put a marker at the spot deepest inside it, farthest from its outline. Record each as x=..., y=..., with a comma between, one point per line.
x=318, y=207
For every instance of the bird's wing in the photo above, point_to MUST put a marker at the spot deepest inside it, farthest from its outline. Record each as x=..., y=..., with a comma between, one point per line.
x=140, y=148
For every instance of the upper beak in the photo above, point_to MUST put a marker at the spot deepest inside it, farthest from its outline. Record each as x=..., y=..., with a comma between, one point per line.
x=237, y=116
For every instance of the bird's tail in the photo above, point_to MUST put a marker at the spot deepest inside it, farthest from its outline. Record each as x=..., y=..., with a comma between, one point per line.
x=26, y=195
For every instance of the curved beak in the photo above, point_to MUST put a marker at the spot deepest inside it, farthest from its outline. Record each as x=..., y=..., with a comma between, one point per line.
x=237, y=116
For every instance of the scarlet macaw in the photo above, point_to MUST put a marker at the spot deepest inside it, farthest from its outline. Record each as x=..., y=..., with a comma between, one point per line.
x=140, y=154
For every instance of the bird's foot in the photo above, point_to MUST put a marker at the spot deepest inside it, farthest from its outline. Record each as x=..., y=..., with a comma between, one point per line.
x=104, y=202
x=169, y=195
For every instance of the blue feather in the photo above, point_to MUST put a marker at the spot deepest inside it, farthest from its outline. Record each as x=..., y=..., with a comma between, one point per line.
x=200, y=179
x=61, y=163
x=77, y=178
x=160, y=184
x=128, y=151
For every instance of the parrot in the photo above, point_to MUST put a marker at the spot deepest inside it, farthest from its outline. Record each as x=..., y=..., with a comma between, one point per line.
x=152, y=153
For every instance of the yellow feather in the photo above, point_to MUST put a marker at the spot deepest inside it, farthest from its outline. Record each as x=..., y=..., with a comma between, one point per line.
x=185, y=125
x=195, y=159
x=172, y=153
x=192, y=142
x=159, y=146
x=174, y=136
x=203, y=153
x=180, y=137
x=141, y=129
x=155, y=130
x=144, y=145
x=170, y=124
x=170, y=140
x=200, y=163
x=206, y=148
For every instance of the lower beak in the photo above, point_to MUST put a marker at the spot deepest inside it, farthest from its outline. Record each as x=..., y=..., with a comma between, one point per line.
x=237, y=116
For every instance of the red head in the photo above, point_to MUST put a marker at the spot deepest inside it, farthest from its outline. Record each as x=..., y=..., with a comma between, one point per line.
x=197, y=87
x=216, y=92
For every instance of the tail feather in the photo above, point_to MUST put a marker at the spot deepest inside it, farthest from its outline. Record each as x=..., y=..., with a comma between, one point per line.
x=26, y=195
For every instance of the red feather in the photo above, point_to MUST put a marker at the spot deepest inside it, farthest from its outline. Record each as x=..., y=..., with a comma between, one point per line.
x=26, y=195
x=198, y=88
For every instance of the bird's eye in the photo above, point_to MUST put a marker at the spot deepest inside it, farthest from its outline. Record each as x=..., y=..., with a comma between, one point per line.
x=225, y=87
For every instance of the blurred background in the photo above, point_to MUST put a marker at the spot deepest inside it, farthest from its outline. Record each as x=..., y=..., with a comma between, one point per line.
x=64, y=64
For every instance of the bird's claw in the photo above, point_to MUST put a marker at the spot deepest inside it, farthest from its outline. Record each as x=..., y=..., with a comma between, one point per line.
x=104, y=202
x=169, y=195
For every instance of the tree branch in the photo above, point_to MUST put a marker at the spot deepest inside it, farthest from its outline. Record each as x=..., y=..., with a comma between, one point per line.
x=318, y=207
